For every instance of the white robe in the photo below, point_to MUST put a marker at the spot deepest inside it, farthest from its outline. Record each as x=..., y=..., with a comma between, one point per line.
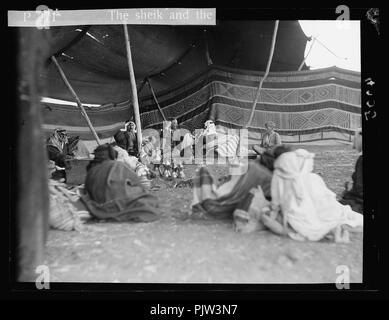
x=131, y=161
x=310, y=207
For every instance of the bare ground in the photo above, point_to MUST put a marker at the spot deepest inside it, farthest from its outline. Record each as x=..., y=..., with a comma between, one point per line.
x=177, y=249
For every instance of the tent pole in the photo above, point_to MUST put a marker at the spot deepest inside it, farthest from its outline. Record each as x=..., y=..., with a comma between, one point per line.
x=207, y=54
x=133, y=88
x=155, y=98
x=302, y=63
x=266, y=73
x=83, y=112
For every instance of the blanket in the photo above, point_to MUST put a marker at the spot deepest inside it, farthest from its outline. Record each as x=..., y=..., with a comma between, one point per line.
x=220, y=201
x=114, y=191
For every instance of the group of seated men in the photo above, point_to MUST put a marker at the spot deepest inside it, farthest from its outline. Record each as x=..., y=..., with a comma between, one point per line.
x=278, y=189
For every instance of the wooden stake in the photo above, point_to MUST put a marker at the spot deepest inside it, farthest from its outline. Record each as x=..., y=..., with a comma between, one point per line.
x=133, y=89
x=266, y=73
x=83, y=112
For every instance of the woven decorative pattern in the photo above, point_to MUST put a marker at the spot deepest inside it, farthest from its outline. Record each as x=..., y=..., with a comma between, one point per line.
x=299, y=103
x=290, y=96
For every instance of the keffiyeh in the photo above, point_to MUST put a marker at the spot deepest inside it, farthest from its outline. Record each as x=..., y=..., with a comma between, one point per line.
x=310, y=207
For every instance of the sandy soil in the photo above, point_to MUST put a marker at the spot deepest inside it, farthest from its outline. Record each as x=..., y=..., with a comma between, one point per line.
x=182, y=250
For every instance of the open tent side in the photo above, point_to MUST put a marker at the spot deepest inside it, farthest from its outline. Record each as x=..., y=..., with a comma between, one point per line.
x=198, y=74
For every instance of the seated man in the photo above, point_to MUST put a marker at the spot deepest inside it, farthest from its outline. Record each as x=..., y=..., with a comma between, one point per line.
x=132, y=144
x=248, y=213
x=221, y=200
x=209, y=128
x=114, y=191
x=206, y=140
x=209, y=132
x=121, y=137
x=60, y=148
x=133, y=162
x=77, y=148
x=302, y=206
x=56, y=147
x=270, y=138
x=353, y=195
x=150, y=153
x=127, y=139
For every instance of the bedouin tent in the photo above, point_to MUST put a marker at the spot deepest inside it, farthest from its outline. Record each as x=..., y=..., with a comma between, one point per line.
x=197, y=73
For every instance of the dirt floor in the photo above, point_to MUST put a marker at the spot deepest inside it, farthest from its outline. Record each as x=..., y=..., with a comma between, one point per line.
x=178, y=249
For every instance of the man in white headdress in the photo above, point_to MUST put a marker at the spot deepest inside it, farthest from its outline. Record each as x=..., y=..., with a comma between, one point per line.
x=132, y=146
x=270, y=138
x=224, y=145
x=304, y=202
x=210, y=128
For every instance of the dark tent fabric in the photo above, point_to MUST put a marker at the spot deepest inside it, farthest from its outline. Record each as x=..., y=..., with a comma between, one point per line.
x=200, y=73
x=94, y=57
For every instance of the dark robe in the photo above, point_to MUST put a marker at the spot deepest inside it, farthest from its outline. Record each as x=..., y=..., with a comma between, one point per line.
x=224, y=206
x=354, y=197
x=114, y=191
x=121, y=139
x=128, y=141
x=132, y=144
x=56, y=155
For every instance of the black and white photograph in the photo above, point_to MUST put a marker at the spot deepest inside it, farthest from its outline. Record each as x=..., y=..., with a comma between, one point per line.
x=191, y=146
